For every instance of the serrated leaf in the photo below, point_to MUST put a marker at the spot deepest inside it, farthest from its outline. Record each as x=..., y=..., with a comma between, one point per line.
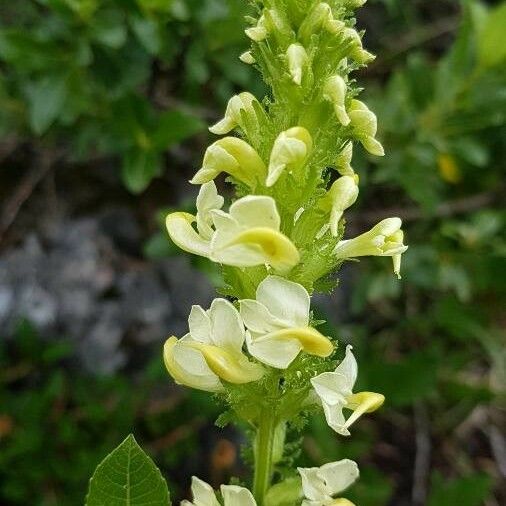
x=127, y=477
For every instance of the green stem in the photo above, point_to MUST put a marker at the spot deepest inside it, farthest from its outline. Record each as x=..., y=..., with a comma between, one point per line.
x=264, y=445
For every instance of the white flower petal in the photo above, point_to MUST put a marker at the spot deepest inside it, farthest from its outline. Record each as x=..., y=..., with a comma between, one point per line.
x=207, y=201
x=203, y=494
x=273, y=351
x=257, y=317
x=338, y=476
x=348, y=368
x=335, y=418
x=199, y=325
x=227, y=329
x=256, y=211
x=331, y=387
x=237, y=496
x=312, y=485
x=286, y=300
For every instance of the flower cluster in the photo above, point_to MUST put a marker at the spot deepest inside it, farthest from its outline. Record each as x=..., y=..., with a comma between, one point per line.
x=290, y=164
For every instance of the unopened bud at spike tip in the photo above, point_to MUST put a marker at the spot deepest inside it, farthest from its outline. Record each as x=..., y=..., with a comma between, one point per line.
x=297, y=59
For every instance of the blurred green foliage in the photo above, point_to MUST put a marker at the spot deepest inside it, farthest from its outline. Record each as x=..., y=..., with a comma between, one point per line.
x=115, y=77
x=57, y=423
x=434, y=343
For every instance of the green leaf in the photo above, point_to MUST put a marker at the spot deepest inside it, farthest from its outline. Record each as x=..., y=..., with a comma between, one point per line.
x=148, y=33
x=403, y=382
x=45, y=99
x=127, y=477
x=109, y=29
x=159, y=246
x=468, y=491
x=175, y=126
x=139, y=168
x=492, y=41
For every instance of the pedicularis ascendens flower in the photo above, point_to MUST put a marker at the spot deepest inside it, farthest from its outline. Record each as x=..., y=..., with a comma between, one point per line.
x=289, y=159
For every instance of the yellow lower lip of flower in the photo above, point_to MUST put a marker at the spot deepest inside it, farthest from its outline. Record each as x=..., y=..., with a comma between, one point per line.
x=280, y=252
x=312, y=341
x=227, y=366
x=367, y=402
x=341, y=502
x=179, y=227
x=168, y=358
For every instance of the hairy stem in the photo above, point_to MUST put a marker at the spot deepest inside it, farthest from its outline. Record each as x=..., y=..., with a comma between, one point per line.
x=264, y=446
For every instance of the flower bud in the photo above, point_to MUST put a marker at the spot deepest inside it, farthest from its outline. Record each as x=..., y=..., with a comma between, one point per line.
x=291, y=148
x=365, y=126
x=247, y=57
x=233, y=114
x=320, y=18
x=343, y=162
x=354, y=4
x=358, y=53
x=277, y=25
x=334, y=90
x=342, y=194
x=258, y=32
x=233, y=156
x=297, y=59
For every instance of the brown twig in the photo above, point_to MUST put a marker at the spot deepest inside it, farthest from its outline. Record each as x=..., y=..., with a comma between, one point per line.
x=444, y=210
x=498, y=446
x=44, y=163
x=178, y=434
